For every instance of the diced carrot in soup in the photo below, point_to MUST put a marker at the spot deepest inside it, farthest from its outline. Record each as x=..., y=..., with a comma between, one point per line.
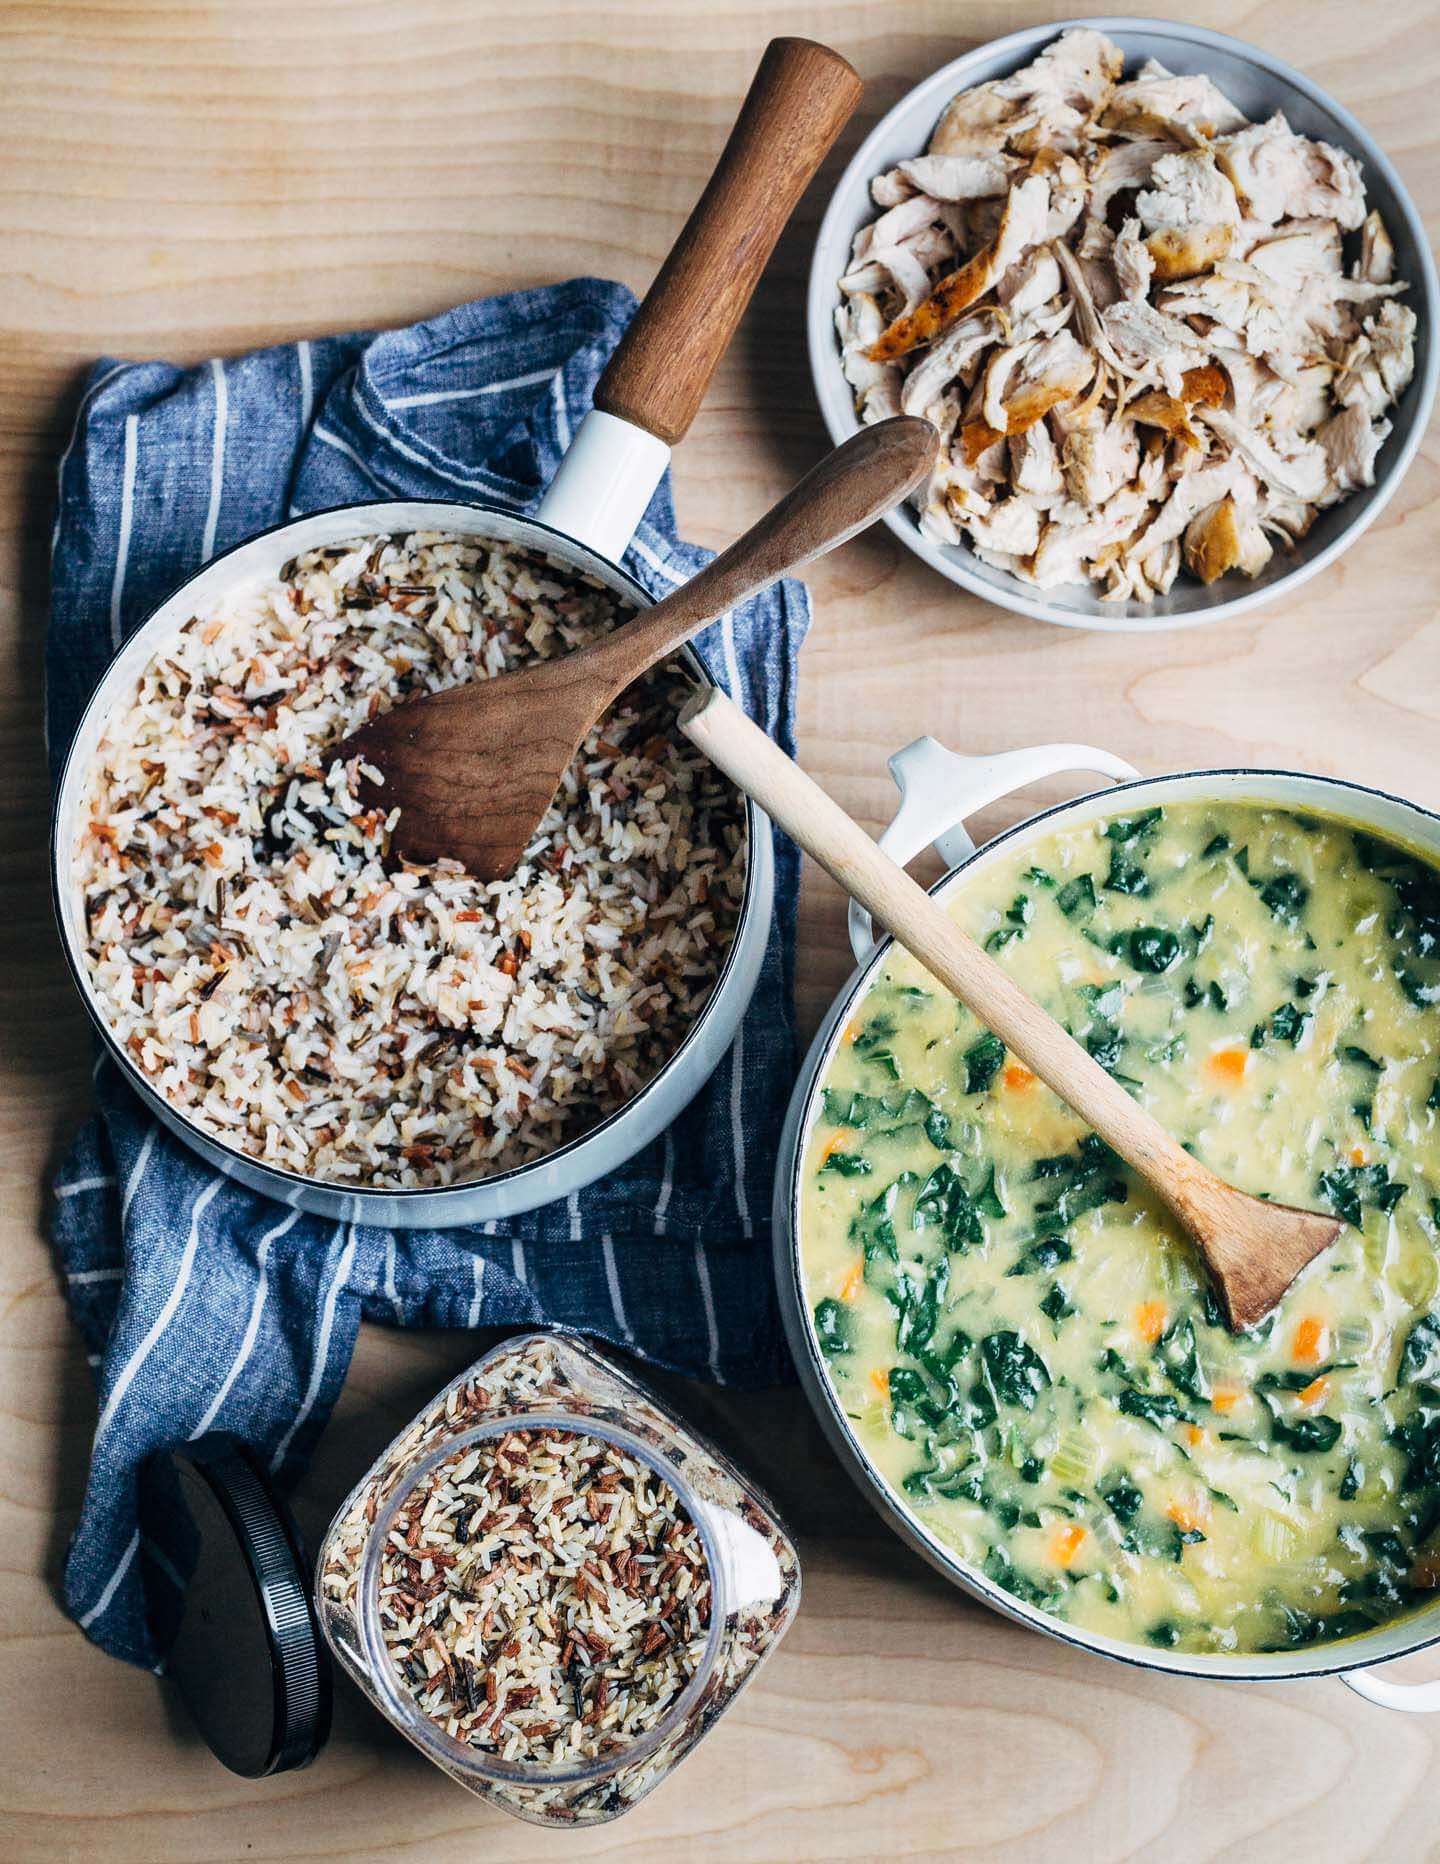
x=1067, y=1543
x=1150, y=1320
x=1189, y=1517
x=1308, y=1346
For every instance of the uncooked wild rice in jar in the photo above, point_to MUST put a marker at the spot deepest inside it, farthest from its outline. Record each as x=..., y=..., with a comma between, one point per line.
x=551, y=1586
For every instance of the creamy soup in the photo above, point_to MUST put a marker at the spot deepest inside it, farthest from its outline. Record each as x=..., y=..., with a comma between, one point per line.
x=1025, y=1345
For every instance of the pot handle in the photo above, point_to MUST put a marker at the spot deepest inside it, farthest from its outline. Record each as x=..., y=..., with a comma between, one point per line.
x=1414, y=1698
x=940, y=788
x=800, y=100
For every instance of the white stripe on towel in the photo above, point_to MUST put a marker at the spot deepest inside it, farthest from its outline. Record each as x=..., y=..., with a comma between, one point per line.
x=111, y=1584
x=217, y=458
x=252, y=1326
x=562, y=412
x=343, y=447
x=391, y=1292
x=167, y=1312
x=667, y=1184
x=702, y=1271
x=657, y=563
x=470, y=479
x=127, y=518
x=137, y=1172
x=436, y=396
x=322, y=1347
x=307, y=385
x=737, y=1128
x=477, y=1300
x=94, y=389
x=100, y=1181
x=612, y=1277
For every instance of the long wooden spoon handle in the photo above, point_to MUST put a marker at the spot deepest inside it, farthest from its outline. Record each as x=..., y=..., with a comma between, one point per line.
x=800, y=100
x=822, y=828
x=850, y=488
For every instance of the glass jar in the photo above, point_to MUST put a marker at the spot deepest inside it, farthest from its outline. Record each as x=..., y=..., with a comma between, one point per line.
x=549, y=1382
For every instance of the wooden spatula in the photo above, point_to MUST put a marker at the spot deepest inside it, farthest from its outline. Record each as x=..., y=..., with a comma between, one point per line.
x=1252, y=1249
x=473, y=770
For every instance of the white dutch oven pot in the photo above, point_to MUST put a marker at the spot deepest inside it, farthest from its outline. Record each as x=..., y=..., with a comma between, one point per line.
x=650, y=392
x=939, y=791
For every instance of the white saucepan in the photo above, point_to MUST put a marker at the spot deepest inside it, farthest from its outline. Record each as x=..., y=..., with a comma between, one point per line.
x=645, y=401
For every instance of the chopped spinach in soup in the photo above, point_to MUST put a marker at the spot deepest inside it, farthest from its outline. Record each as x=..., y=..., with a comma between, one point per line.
x=1025, y=1345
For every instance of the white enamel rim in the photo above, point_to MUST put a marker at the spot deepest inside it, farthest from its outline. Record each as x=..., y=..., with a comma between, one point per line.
x=607, y=481
x=906, y=128
x=1388, y=814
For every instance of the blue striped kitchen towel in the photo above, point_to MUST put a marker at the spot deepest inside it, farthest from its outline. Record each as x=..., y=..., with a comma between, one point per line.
x=204, y=1306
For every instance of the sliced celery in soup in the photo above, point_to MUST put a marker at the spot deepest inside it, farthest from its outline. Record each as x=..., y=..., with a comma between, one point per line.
x=1023, y=1342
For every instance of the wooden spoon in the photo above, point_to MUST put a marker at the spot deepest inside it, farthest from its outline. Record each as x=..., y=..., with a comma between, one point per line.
x=473, y=770
x=1252, y=1249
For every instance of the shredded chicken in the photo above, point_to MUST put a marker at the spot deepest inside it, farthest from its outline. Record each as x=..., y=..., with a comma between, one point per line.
x=1048, y=104
x=1351, y=440
x=1154, y=336
x=1282, y=176
x=1225, y=537
x=1376, y=368
x=1377, y=254
x=1189, y=110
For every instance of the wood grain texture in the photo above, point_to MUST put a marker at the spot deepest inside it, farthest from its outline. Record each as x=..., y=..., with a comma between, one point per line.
x=802, y=97
x=202, y=176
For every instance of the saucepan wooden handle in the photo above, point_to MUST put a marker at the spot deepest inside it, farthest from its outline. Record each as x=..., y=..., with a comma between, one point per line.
x=800, y=100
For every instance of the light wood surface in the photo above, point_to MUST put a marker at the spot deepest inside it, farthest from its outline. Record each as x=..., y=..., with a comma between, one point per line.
x=185, y=178
x=802, y=96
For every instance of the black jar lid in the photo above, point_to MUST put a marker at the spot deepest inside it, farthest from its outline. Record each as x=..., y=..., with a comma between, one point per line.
x=249, y=1659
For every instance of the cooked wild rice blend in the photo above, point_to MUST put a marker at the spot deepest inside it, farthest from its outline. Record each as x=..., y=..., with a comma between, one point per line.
x=530, y=1382
x=275, y=980
x=545, y=1597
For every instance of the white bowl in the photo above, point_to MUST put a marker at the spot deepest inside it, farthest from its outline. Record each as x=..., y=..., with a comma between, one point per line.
x=1257, y=84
